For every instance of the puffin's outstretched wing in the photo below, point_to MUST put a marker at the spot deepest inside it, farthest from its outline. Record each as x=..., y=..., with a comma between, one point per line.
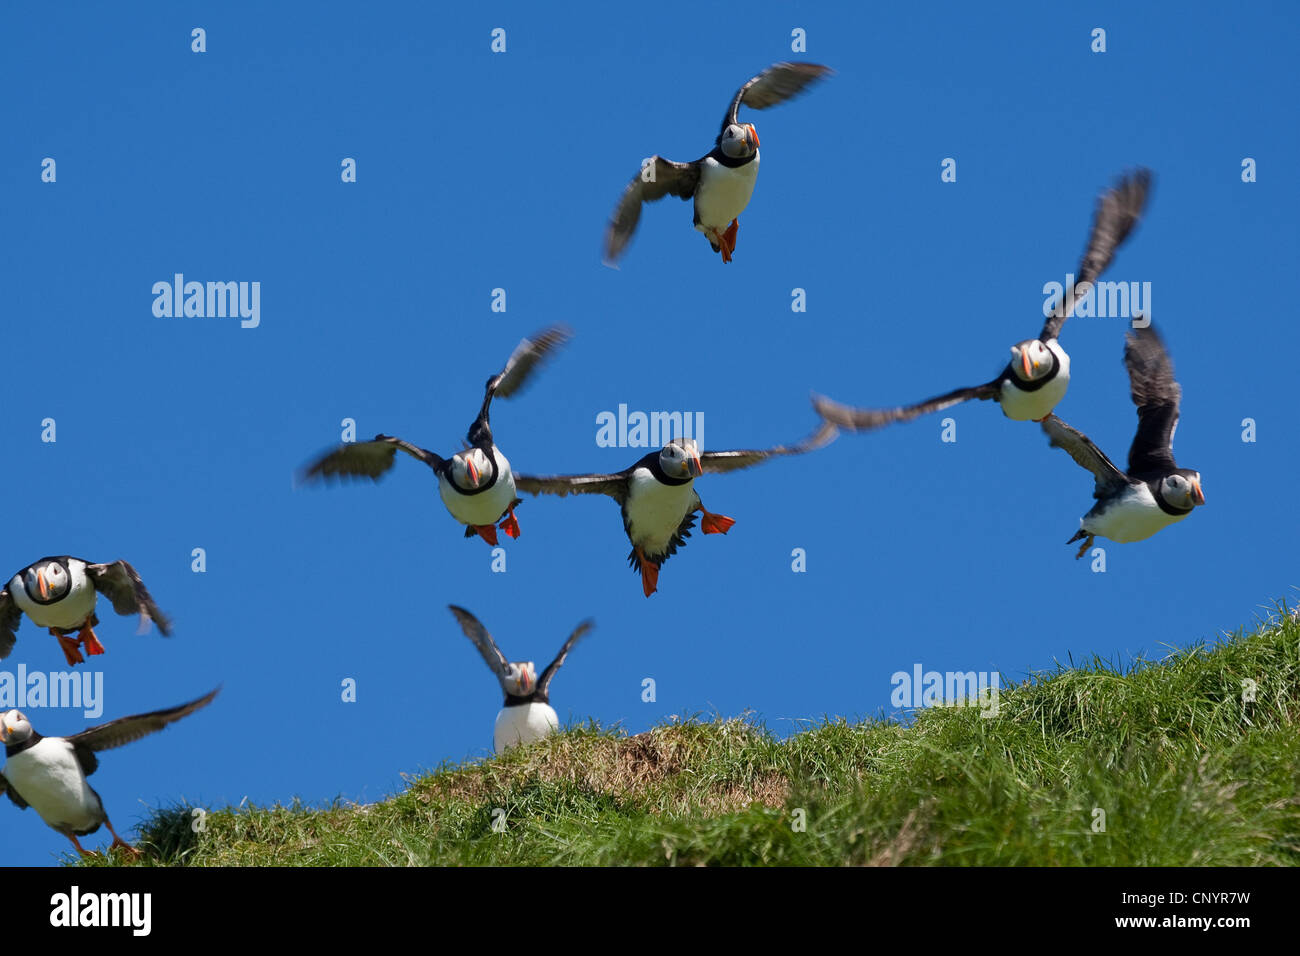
x=367, y=459
x=5, y=788
x=614, y=485
x=477, y=633
x=527, y=357
x=1109, y=479
x=121, y=584
x=776, y=84
x=124, y=730
x=719, y=462
x=1156, y=395
x=544, y=682
x=10, y=617
x=864, y=419
x=1118, y=211
x=658, y=178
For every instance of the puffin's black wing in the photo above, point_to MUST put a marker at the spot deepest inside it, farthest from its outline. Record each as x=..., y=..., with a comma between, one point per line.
x=6, y=788
x=1109, y=479
x=719, y=462
x=367, y=459
x=10, y=617
x=121, y=584
x=477, y=633
x=544, y=682
x=864, y=419
x=527, y=357
x=659, y=178
x=1118, y=211
x=124, y=730
x=1156, y=395
x=613, y=485
x=776, y=84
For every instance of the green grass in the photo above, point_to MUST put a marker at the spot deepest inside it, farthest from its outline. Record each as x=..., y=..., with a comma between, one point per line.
x=1185, y=772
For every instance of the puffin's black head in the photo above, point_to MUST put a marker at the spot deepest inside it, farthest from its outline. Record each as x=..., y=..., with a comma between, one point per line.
x=520, y=678
x=680, y=458
x=1031, y=360
x=1182, y=489
x=470, y=469
x=738, y=142
x=14, y=728
x=46, y=581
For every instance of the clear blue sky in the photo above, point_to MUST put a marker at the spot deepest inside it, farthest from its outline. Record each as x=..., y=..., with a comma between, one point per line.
x=479, y=170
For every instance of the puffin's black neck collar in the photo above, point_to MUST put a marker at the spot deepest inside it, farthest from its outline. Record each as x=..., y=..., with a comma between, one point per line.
x=53, y=598
x=1165, y=506
x=536, y=697
x=661, y=476
x=1021, y=385
x=14, y=749
x=492, y=470
x=731, y=162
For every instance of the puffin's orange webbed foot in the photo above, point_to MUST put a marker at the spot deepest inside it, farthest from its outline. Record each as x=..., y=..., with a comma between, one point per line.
x=511, y=525
x=88, y=638
x=716, y=524
x=649, y=573
x=728, y=240
x=70, y=648
x=488, y=532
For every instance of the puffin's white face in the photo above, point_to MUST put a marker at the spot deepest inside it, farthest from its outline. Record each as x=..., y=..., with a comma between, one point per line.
x=739, y=142
x=14, y=727
x=521, y=678
x=46, y=582
x=470, y=469
x=1183, y=490
x=1031, y=360
x=680, y=458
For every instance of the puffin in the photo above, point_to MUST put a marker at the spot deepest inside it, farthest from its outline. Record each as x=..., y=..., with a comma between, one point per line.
x=1038, y=374
x=721, y=181
x=49, y=774
x=476, y=484
x=658, y=498
x=1154, y=493
x=60, y=593
x=527, y=715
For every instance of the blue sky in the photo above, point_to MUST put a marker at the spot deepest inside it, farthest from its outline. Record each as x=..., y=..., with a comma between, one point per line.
x=478, y=171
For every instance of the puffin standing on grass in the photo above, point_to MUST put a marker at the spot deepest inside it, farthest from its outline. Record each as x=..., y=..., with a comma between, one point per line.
x=720, y=182
x=476, y=484
x=1037, y=376
x=60, y=594
x=527, y=714
x=49, y=774
x=658, y=498
x=1154, y=492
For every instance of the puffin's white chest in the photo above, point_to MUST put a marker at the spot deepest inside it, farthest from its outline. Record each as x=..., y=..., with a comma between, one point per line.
x=522, y=724
x=1133, y=516
x=655, y=510
x=69, y=612
x=723, y=193
x=49, y=778
x=485, y=508
x=1031, y=406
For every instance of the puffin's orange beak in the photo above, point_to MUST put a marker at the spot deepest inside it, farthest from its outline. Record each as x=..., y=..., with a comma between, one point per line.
x=41, y=585
x=1024, y=361
x=472, y=469
x=754, y=133
x=696, y=468
x=1200, y=495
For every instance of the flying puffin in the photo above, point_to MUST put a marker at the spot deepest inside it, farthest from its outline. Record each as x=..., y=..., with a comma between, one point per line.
x=1154, y=492
x=1036, y=378
x=49, y=774
x=476, y=484
x=658, y=498
x=527, y=715
x=60, y=594
x=720, y=182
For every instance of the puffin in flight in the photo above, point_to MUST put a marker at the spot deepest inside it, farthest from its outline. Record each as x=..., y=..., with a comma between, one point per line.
x=1154, y=492
x=476, y=484
x=720, y=182
x=1036, y=378
x=658, y=498
x=60, y=594
x=49, y=774
x=527, y=715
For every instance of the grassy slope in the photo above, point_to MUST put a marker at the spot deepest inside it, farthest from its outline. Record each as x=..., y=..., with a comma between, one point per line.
x=1185, y=772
